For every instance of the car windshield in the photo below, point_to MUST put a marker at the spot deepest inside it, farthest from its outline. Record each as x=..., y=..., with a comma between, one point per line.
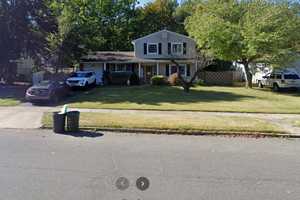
x=80, y=75
x=291, y=76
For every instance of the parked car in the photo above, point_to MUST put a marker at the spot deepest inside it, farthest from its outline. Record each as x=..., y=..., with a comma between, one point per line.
x=279, y=80
x=121, y=78
x=47, y=91
x=82, y=79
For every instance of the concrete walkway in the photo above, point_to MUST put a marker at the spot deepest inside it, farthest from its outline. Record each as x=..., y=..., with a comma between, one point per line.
x=26, y=116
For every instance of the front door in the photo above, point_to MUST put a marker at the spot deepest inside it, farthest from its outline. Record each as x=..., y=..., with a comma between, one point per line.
x=148, y=73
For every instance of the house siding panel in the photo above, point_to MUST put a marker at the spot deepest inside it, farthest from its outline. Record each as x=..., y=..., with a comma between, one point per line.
x=165, y=37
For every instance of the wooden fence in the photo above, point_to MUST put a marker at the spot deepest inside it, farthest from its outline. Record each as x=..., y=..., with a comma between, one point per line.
x=221, y=78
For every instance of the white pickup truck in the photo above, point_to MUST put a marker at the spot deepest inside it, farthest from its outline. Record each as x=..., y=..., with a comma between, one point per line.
x=82, y=79
x=279, y=80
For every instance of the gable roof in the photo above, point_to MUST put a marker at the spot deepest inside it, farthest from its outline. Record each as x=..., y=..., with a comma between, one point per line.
x=170, y=32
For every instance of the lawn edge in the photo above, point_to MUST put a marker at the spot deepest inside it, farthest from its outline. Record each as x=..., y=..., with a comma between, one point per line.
x=189, y=132
x=184, y=110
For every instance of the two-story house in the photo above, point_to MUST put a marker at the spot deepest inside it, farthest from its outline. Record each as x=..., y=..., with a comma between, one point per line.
x=151, y=56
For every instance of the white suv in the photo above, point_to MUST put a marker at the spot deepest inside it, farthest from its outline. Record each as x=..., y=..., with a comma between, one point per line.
x=279, y=80
x=82, y=79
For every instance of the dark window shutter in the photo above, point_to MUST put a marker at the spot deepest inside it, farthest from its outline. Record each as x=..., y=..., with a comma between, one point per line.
x=188, y=70
x=184, y=48
x=145, y=48
x=159, y=48
x=169, y=48
x=167, y=70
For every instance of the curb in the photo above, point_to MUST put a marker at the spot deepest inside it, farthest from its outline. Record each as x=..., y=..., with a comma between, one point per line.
x=191, y=132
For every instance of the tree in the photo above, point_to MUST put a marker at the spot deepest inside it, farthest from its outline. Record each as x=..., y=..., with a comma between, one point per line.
x=93, y=24
x=247, y=31
x=24, y=26
x=158, y=15
x=203, y=60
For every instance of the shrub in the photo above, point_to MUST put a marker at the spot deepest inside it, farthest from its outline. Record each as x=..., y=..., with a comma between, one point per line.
x=173, y=79
x=200, y=82
x=158, y=80
x=134, y=79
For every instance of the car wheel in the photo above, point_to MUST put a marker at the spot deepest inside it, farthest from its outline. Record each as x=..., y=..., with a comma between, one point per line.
x=260, y=85
x=94, y=83
x=86, y=85
x=276, y=88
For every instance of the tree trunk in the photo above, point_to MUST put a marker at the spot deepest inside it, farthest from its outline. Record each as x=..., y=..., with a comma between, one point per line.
x=186, y=85
x=186, y=88
x=248, y=75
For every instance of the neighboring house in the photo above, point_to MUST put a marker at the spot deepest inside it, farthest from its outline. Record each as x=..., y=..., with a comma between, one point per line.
x=151, y=56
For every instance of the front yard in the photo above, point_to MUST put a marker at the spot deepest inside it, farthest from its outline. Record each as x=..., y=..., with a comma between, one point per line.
x=167, y=121
x=9, y=102
x=201, y=98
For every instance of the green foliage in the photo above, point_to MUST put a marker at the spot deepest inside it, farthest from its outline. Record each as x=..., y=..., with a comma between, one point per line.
x=200, y=82
x=247, y=31
x=93, y=24
x=158, y=80
x=158, y=15
x=219, y=65
x=24, y=26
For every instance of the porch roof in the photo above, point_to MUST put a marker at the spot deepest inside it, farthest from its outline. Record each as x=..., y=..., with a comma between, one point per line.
x=121, y=57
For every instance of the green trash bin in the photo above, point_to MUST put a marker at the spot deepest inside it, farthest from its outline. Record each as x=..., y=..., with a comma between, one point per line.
x=73, y=121
x=59, y=121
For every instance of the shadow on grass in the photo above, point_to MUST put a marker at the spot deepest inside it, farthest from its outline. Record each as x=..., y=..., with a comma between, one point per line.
x=283, y=91
x=89, y=134
x=153, y=95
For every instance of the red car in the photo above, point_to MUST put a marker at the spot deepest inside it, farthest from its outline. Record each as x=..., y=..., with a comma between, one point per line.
x=47, y=91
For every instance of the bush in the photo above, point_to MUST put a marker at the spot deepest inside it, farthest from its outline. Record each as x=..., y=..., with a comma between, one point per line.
x=158, y=80
x=173, y=79
x=134, y=79
x=200, y=82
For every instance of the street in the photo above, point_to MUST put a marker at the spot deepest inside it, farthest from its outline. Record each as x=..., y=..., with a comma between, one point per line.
x=38, y=164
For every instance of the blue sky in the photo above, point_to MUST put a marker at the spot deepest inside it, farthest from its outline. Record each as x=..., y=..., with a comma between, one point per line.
x=142, y=2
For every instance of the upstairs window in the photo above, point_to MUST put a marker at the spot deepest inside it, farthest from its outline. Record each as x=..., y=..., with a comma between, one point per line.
x=152, y=48
x=177, y=48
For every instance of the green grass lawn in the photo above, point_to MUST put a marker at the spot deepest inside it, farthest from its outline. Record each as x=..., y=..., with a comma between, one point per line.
x=8, y=102
x=201, y=98
x=183, y=123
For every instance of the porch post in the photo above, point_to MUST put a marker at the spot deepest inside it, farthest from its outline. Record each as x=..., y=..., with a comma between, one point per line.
x=140, y=71
x=157, y=68
x=104, y=66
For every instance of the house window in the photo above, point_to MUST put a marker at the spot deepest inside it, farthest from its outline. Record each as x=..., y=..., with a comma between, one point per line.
x=152, y=48
x=177, y=48
x=182, y=68
x=121, y=68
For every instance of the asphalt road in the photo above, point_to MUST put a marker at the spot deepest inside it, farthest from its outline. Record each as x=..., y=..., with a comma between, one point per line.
x=37, y=164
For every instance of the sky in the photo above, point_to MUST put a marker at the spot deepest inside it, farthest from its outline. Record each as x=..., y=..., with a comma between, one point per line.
x=144, y=1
